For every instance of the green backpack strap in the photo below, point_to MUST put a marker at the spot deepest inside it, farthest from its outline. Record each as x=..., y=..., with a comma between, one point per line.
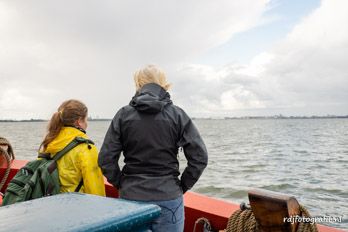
x=79, y=186
x=69, y=147
x=44, y=156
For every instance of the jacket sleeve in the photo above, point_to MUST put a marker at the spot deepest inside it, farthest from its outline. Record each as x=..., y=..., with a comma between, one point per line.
x=195, y=153
x=93, y=180
x=110, y=152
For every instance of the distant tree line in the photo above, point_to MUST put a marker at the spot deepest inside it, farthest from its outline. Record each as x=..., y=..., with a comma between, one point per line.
x=207, y=118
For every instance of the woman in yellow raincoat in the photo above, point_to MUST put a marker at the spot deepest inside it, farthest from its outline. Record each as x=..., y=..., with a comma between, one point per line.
x=80, y=163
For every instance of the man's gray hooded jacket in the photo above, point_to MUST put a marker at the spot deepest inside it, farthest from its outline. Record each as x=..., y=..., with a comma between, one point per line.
x=149, y=132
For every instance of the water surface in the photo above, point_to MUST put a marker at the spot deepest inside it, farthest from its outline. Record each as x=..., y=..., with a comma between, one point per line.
x=307, y=158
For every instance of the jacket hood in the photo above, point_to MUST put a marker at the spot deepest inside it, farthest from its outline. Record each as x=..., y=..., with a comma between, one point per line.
x=151, y=98
x=65, y=136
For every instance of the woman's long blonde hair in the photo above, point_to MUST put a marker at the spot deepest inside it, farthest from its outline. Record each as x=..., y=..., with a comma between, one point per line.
x=67, y=114
x=150, y=74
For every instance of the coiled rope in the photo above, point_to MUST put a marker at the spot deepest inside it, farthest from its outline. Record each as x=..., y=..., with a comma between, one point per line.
x=206, y=224
x=243, y=220
x=310, y=227
x=9, y=156
x=7, y=172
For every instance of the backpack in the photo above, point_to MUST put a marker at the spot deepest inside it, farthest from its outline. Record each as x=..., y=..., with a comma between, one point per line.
x=39, y=178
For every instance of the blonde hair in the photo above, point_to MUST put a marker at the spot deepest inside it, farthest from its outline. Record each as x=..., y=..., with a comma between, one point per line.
x=68, y=112
x=150, y=74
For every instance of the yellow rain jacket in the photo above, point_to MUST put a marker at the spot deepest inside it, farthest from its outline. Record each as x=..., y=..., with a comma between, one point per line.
x=79, y=163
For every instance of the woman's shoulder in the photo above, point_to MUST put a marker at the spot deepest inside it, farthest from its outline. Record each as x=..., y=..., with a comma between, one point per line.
x=86, y=150
x=84, y=143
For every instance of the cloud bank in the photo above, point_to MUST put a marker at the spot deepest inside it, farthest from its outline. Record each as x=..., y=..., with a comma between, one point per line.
x=53, y=51
x=304, y=74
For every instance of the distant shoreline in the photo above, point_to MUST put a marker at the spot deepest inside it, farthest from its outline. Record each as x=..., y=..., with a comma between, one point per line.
x=271, y=117
x=287, y=117
x=274, y=117
x=207, y=118
x=44, y=120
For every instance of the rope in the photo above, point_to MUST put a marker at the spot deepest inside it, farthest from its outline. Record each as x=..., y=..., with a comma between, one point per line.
x=243, y=220
x=205, y=222
x=306, y=227
x=4, y=141
x=7, y=172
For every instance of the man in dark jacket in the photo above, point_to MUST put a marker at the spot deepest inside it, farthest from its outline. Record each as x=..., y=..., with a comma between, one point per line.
x=149, y=131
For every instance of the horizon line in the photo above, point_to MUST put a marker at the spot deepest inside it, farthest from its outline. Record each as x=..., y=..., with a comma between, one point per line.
x=279, y=116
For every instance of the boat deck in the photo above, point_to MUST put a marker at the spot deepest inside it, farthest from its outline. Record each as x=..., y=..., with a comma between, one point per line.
x=77, y=212
x=196, y=205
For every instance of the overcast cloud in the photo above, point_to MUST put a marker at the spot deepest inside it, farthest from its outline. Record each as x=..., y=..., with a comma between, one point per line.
x=305, y=74
x=55, y=50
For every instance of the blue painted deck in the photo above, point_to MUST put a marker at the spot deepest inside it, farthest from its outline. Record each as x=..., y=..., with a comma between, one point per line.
x=77, y=212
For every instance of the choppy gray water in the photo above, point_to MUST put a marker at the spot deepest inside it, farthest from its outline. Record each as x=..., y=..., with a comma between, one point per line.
x=307, y=158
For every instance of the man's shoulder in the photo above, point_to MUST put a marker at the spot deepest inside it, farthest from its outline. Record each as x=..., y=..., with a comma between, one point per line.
x=179, y=109
x=127, y=108
x=124, y=110
x=178, y=112
x=173, y=107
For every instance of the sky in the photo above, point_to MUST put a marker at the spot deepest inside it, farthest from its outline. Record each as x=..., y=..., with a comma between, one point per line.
x=223, y=59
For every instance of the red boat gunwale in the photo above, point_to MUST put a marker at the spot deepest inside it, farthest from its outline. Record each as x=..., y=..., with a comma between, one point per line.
x=196, y=205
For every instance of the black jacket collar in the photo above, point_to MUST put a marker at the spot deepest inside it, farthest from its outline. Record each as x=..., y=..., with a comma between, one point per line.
x=151, y=98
